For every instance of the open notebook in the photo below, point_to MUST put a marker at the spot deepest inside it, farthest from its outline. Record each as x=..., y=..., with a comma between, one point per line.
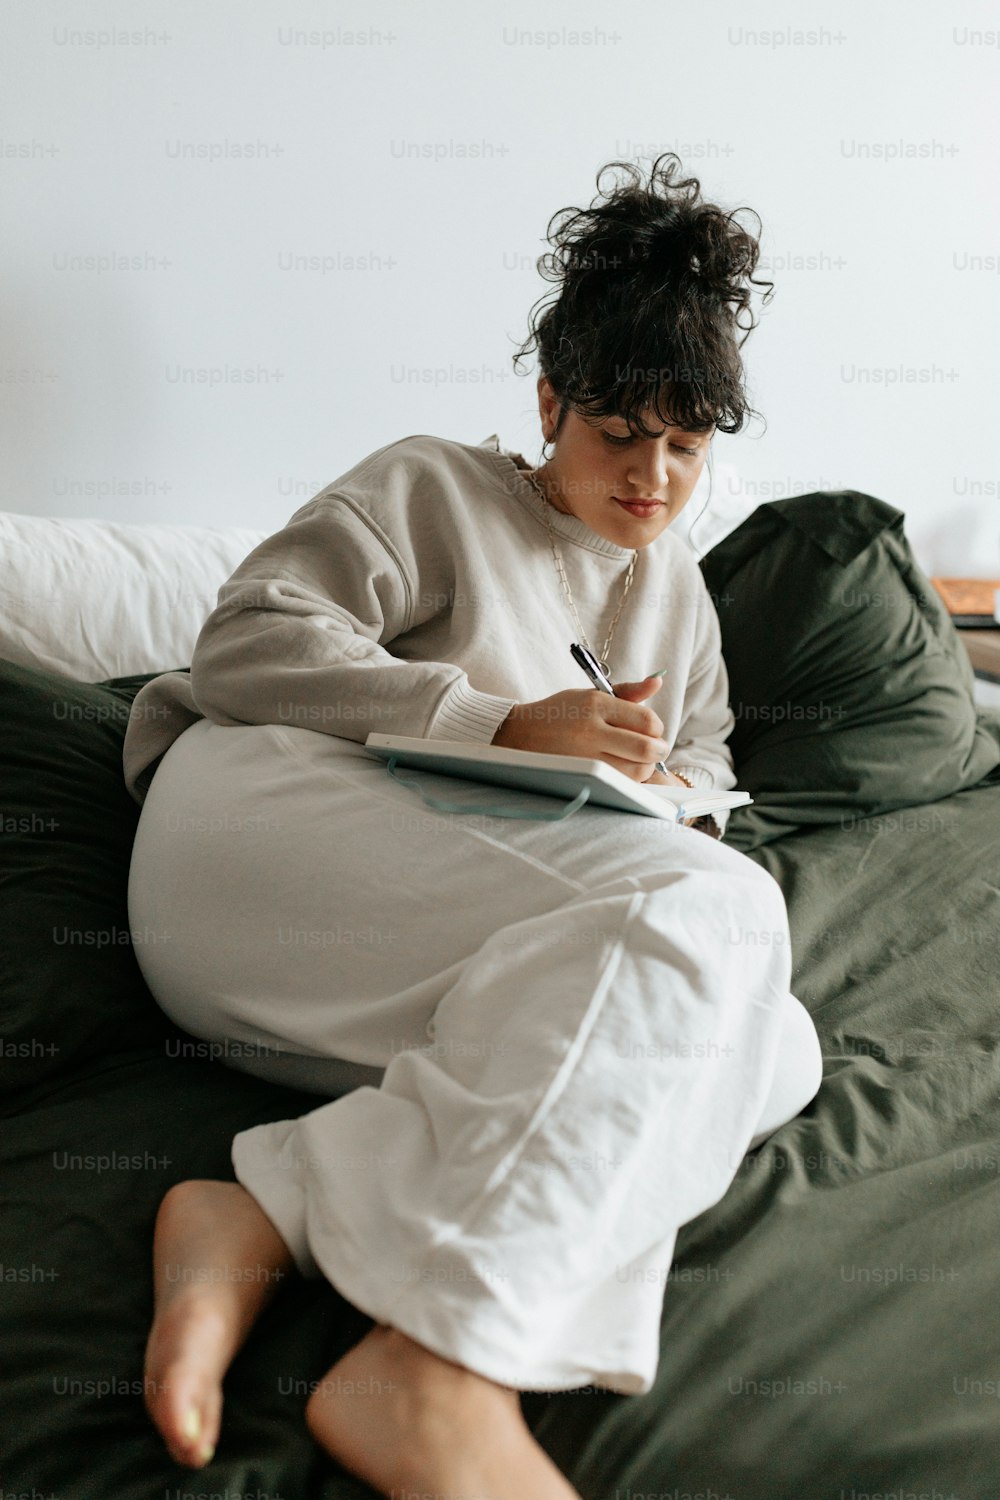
x=553, y=775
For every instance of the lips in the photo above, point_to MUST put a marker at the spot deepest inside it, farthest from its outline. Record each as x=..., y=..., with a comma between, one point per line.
x=639, y=507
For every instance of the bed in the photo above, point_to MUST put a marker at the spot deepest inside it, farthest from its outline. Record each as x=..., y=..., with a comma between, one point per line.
x=829, y=1328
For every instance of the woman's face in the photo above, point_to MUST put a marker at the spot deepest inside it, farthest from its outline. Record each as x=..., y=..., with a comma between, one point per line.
x=598, y=464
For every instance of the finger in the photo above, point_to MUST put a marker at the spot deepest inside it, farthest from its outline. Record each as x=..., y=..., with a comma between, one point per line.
x=631, y=714
x=640, y=749
x=636, y=719
x=634, y=770
x=634, y=690
x=627, y=744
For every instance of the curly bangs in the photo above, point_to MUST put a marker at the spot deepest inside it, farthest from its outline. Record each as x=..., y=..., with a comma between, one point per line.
x=653, y=304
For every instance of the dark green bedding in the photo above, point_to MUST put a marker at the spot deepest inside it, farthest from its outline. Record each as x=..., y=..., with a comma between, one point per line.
x=829, y=1328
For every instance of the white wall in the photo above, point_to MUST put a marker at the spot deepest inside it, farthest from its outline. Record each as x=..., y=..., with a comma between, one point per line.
x=97, y=132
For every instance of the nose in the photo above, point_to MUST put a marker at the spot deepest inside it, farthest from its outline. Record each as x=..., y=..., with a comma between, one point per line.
x=648, y=473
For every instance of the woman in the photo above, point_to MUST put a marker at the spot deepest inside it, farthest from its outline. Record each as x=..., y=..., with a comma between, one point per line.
x=554, y=1050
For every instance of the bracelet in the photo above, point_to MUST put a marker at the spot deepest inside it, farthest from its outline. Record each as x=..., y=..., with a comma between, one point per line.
x=680, y=777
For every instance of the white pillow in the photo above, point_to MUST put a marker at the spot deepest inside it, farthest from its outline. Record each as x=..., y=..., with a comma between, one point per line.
x=95, y=599
x=728, y=507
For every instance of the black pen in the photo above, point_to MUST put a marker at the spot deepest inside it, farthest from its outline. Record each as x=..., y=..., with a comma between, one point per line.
x=592, y=667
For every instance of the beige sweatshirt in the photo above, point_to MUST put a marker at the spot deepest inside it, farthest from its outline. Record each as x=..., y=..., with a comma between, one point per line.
x=418, y=594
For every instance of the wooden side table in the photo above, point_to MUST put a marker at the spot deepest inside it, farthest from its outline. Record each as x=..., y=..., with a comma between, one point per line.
x=983, y=647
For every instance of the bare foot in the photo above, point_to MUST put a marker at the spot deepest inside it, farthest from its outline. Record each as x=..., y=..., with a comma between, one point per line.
x=217, y=1259
x=401, y=1417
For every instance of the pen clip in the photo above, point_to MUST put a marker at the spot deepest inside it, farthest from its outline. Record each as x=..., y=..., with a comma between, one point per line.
x=588, y=661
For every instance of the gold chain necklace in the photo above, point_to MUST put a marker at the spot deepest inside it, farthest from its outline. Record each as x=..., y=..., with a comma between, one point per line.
x=561, y=570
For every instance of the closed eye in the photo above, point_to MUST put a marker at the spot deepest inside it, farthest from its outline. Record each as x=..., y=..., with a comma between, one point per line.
x=620, y=442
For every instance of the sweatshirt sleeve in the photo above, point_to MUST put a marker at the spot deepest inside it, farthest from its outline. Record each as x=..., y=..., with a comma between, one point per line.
x=300, y=632
x=700, y=752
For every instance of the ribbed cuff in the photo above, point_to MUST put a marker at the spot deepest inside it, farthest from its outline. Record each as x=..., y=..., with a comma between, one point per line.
x=704, y=781
x=701, y=778
x=466, y=714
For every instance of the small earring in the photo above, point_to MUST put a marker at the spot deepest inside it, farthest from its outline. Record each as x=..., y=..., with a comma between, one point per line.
x=545, y=444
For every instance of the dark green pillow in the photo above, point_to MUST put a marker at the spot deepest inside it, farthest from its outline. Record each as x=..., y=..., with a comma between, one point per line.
x=70, y=988
x=850, y=687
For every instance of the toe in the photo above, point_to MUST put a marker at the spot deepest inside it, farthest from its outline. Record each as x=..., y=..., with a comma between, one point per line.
x=182, y=1416
x=183, y=1380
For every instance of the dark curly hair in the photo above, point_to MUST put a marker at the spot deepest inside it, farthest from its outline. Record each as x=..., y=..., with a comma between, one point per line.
x=653, y=305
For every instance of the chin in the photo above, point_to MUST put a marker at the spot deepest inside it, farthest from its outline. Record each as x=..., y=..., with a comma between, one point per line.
x=639, y=533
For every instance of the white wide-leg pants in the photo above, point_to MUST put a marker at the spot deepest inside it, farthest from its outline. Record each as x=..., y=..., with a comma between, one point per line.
x=559, y=1038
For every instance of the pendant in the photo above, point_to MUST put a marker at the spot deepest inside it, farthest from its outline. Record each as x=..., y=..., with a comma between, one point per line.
x=604, y=668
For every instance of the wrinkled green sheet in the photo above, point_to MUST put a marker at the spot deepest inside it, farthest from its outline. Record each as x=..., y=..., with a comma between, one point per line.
x=831, y=1329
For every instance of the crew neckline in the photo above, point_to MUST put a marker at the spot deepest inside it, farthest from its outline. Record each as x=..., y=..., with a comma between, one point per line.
x=568, y=526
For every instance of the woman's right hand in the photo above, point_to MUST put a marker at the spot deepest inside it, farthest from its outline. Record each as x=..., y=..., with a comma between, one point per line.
x=620, y=730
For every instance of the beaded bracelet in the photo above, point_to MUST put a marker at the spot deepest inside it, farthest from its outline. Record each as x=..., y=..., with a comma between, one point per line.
x=706, y=823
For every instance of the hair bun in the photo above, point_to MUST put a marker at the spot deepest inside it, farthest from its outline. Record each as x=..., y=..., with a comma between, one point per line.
x=654, y=300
